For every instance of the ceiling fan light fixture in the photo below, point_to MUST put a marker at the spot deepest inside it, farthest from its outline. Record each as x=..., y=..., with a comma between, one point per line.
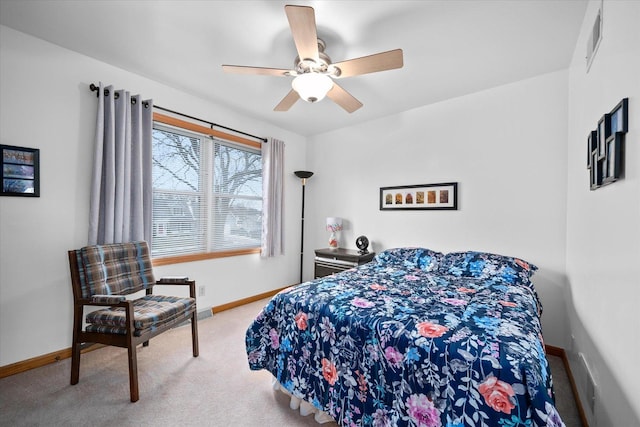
x=312, y=87
x=313, y=70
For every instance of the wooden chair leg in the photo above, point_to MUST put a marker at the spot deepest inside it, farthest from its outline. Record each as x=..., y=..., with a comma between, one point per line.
x=194, y=333
x=194, y=320
x=133, y=373
x=75, y=346
x=133, y=358
x=75, y=363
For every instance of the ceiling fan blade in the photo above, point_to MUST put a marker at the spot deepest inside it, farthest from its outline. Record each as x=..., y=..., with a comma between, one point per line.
x=370, y=64
x=287, y=101
x=343, y=98
x=241, y=69
x=302, y=20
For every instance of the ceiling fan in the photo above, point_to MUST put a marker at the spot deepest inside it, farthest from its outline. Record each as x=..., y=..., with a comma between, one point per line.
x=313, y=71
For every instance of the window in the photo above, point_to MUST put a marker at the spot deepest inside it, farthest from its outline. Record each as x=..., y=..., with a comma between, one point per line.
x=207, y=193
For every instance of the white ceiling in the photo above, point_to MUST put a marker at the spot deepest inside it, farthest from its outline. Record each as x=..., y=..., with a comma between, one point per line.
x=451, y=47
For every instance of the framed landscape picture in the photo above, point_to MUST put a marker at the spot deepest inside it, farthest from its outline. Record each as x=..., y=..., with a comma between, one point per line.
x=20, y=173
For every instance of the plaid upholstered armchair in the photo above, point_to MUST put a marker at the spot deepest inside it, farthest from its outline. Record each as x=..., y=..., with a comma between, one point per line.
x=107, y=276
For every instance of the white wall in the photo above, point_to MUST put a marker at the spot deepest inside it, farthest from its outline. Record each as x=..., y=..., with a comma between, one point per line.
x=506, y=148
x=46, y=103
x=603, y=226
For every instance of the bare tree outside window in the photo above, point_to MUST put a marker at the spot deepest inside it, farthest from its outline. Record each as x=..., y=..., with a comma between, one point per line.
x=237, y=186
x=176, y=161
x=207, y=194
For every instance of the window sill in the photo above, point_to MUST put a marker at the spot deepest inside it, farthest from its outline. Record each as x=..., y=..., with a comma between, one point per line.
x=203, y=256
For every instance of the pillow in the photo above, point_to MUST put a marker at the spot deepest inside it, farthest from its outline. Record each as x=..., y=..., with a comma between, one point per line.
x=484, y=265
x=416, y=258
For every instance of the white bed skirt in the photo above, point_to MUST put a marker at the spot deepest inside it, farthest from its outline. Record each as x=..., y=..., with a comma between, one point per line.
x=305, y=407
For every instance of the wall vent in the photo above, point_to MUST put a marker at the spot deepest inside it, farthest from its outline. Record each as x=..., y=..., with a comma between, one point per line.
x=590, y=385
x=594, y=37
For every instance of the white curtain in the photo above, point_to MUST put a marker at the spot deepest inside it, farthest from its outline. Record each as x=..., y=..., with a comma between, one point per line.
x=121, y=188
x=272, y=198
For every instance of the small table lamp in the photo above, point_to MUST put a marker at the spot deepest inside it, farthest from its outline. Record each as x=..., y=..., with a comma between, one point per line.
x=334, y=225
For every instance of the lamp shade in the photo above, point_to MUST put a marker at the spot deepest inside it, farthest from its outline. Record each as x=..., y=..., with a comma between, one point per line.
x=303, y=174
x=334, y=224
x=312, y=87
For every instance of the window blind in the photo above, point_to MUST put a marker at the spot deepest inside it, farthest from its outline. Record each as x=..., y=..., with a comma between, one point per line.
x=207, y=194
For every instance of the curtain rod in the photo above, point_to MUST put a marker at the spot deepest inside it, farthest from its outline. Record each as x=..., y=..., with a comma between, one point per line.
x=95, y=88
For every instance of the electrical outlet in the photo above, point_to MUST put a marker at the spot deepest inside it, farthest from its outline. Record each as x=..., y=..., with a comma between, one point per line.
x=201, y=290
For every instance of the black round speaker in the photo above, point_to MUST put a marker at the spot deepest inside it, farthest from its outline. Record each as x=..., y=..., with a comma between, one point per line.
x=362, y=243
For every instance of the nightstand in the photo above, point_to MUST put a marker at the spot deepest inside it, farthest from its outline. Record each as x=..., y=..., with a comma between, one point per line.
x=329, y=261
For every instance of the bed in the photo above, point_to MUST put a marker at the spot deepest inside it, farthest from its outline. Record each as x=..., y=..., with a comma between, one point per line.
x=413, y=338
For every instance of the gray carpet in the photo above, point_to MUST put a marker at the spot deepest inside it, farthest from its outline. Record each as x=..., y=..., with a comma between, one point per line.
x=565, y=401
x=215, y=389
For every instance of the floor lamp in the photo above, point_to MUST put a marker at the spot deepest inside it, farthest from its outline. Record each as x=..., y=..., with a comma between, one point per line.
x=303, y=175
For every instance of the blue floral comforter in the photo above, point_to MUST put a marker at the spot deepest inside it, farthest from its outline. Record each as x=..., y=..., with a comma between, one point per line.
x=414, y=338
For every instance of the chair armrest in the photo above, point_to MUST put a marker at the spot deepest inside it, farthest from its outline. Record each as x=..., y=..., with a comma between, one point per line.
x=173, y=282
x=107, y=299
x=187, y=283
